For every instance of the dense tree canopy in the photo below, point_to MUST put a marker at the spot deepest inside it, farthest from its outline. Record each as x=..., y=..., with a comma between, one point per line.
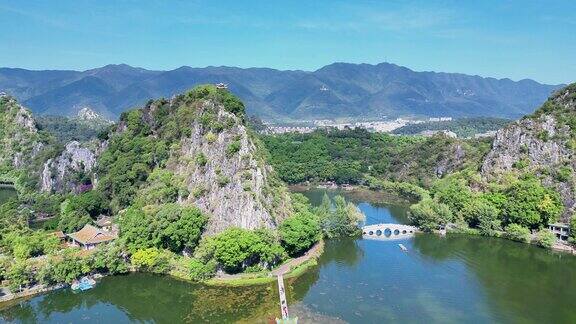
x=347, y=156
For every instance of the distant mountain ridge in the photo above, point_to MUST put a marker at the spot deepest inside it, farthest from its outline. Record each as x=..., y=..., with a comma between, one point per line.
x=333, y=91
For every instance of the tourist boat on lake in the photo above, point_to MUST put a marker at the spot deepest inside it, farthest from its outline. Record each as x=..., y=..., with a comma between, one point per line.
x=83, y=284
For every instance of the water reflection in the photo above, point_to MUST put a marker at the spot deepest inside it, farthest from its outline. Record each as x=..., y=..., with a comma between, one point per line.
x=438, y=280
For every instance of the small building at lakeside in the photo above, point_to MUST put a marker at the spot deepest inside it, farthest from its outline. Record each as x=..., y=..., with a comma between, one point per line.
x=561, y=230
x=105, y=223
x=90, y=236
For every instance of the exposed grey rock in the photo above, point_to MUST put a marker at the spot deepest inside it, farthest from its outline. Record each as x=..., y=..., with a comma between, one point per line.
x=57, y=174
x=542, y=143
x=234, y=189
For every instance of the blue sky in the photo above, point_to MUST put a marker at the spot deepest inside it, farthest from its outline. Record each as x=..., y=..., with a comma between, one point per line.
x=514, y=39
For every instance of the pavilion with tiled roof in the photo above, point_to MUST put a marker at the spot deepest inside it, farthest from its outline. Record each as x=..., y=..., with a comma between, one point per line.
x=90, y=236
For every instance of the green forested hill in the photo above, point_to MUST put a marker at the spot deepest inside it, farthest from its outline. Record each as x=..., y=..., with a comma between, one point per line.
x=347, y=156
x=464, y=127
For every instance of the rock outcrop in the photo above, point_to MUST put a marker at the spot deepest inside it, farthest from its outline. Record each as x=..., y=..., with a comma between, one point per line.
x=70, y=171
x=233, y=184
x=543, y=144
x=200, y=140
x=19, y=138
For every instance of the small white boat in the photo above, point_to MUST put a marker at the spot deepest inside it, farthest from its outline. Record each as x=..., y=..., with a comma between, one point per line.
x=83, y=284
x=402, y=247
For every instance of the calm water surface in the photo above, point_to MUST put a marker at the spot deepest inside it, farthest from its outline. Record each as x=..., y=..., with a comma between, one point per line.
x=439, y=280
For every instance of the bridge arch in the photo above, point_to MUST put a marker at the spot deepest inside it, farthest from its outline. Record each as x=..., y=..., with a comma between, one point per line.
x=388, y=231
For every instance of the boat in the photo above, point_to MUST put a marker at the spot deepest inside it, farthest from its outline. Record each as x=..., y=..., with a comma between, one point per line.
x=402, y=247
x=83, y=284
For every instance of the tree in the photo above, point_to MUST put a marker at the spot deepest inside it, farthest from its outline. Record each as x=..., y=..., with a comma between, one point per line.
x=19, y=274
x=299, y=232
x=546, y=238
x=110, y=258
x=237, y=248
x=73, y=220
x=479, y=210
x=150, y=259
x=167, y=226
x=343, y=220
x=429, y=214
x=182, y=228
x=518, y=233
x=200, y=271
x=454, y=192
x=67, y=267
x=531, y=205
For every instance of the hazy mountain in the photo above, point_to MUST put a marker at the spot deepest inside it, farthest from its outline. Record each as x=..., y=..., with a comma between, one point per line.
x=336, y=90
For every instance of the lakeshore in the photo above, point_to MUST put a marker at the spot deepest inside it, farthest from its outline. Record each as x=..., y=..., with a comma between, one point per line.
x=497, y=281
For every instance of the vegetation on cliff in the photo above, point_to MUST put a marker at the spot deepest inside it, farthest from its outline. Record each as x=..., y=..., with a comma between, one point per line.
x=348, y=156
x=464, y=127
x=188, y=186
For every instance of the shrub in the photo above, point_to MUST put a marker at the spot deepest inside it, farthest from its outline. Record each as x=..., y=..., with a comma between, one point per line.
x=546, y=238
x=200, y=271
x=233, y=148
x=563, y=174
x=211, y=137
x=201, y=159
x=518, y=233
x=222, y=180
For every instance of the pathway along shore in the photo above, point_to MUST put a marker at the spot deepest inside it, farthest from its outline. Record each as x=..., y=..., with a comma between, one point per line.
x=313, y=253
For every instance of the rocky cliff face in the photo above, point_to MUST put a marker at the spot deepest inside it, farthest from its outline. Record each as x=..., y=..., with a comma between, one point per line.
x=19, y=138
x=543, y=144
x=219, y=165
x=228, y=178
x=70, y=171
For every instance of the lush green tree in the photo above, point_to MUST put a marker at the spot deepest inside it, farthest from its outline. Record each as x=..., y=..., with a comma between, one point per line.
x=478, y=210
x=453, y=192
x=237, y=248
x=180, y=227
x=73, y=220
x=518, y=233
x=299, y=232
x=19, y=275
x=110, y=258
x=531, y=205
x=67, y=267
x=151, y=259
x=546, y=238
x=200, y=271
x=429, y=214
x=342, y=220
x=168, y=226
x=25, y=243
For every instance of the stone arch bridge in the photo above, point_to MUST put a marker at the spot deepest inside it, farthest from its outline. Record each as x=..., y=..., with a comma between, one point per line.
x=388, y=231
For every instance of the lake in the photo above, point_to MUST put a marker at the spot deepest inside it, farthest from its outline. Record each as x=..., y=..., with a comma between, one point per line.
x=453, y=279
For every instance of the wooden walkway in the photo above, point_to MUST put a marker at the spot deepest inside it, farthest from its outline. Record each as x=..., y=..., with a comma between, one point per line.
x=283, y=302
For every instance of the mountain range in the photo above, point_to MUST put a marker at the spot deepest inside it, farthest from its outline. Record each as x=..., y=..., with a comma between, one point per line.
x=333, y=91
